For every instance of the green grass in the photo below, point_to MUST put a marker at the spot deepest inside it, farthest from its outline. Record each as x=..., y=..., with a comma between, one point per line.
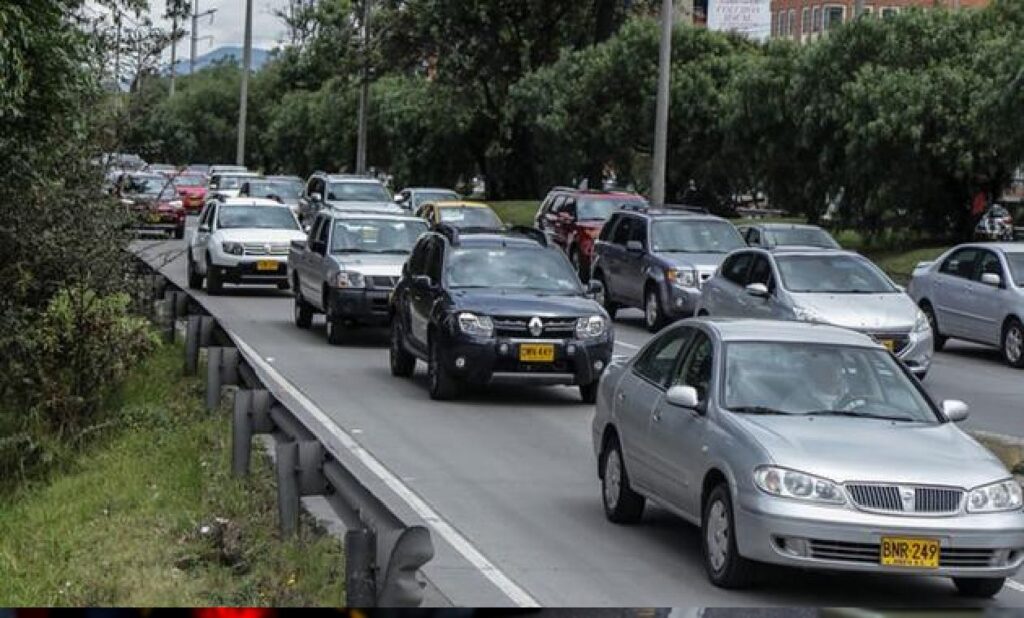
x=519, y=212
x=900, y=264
x=121, y=526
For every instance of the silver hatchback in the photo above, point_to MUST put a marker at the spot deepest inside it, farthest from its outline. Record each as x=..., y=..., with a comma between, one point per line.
x=825, y=286
x=803, y=445
x=975, y=292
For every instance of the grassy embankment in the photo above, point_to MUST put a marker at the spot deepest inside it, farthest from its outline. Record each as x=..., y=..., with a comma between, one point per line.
x=150, y=516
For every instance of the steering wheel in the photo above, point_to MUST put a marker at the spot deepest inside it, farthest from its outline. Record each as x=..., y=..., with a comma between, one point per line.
x=850, y=403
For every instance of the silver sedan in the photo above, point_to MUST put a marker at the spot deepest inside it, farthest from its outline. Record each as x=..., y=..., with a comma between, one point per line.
x=975, y=292
x=826, y=286
x=803, y=445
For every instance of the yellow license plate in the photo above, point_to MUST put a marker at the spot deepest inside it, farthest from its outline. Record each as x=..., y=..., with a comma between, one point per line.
x=266, y=265
x=155, y=218
x=889, y=344
x=912, y=553
x=536, y=353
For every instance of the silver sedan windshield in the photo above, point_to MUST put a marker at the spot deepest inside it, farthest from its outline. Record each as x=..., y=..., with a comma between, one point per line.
x=832, y=274
x=820, y=380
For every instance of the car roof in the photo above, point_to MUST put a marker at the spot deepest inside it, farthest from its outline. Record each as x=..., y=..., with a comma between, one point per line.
x=459, y=204
x=803, y=250
x=351, y=178
x=1005, y=247
x=372, y=214
x=661, y=213
x=238, y=174
x=596, y=192
x=284, y=177
x=437, y=189
x=251, y=201
x=744, y=329
x=494, y=239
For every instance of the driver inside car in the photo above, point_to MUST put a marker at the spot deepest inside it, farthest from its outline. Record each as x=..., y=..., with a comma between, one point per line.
x=826, y=386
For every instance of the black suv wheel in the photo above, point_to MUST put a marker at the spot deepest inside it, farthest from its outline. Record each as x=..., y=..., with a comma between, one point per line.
x=403, y=364
x=443, y=385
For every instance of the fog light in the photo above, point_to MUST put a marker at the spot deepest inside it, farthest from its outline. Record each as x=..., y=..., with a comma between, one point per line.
x=503, y=348
x=679, y=302
x=598, y=365
x=792, y=546
x=460, y=363
x=571, y=350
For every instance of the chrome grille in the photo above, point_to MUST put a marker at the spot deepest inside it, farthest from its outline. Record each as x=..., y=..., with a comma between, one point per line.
x=262, y=248
x=382, y=282
x=519, y=327
x=889, y=499
x=957, y=557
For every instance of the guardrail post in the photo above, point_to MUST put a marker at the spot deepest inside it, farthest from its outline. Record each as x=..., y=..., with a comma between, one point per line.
x=192, y=344
x=180, y=300
x=287, y=488
x=206, y=325
x=360, y=582
x=400, y=588
x=229, y=366
x=241, y=433
x=163, y=311
x=213, y=378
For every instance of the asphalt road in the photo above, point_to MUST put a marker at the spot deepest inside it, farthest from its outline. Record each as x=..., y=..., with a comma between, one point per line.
x=511, y=468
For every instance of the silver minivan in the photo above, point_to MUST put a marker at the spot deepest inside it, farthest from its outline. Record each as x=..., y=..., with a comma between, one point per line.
x=824, y=286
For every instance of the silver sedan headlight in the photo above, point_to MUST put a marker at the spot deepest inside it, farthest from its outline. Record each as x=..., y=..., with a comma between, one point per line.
x=233, y=248
x=997, y=497
x=784, y=483
x=349, y=280
x=921, y=323
x=476, y=325
x=591, y=327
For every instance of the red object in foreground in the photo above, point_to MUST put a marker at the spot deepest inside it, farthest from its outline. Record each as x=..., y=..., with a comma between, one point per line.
x=231, y=612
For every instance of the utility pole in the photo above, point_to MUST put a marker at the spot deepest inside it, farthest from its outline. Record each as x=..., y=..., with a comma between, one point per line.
x=117, y=52
x=195, y=33
x=246, y=66
x=174, y=51
x=364, y=93
x=661, y=112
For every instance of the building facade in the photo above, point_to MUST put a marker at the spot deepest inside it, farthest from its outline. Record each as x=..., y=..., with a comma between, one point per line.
x=806, y=20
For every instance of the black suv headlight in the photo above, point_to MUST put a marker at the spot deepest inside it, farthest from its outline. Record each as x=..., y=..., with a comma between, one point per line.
x=476, y=325
x=591, y=327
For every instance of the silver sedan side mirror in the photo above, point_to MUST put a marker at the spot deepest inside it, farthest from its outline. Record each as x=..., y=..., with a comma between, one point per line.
x=955, y=411
x=992, y=279
x=758, y=290
x=682, y=397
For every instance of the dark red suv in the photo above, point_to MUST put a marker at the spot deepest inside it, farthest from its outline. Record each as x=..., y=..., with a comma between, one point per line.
x=573, y=219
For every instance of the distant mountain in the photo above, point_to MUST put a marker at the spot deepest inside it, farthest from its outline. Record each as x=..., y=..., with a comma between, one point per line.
x=259, y=58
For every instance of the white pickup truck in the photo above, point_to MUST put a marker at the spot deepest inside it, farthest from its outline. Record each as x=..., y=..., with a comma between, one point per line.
x=348, y=267
x=241, y=240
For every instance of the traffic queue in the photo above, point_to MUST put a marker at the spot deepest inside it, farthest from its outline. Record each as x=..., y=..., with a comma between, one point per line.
x=779, y=405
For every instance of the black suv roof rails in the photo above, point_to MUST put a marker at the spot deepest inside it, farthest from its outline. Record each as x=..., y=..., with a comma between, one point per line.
x=687, y=208
x=448, y=231
x=530, y=232
x=563, y=188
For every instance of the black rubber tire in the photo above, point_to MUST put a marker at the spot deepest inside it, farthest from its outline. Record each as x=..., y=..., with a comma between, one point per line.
x=443, y=387
x=588, y=392
x=195, y=280
x=303, y=313
x=214, y=284
x=1013, y=325
x=403, y=364
x=736, y=572
x=978, y=587
x=609, y=305
x=335, y=330
x=938, y=340
x=655, y=325
x=628, y=507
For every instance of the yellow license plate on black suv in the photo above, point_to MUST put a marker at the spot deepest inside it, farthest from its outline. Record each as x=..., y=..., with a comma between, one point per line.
x=910, y=553
x=536, y=353
x=266, y=265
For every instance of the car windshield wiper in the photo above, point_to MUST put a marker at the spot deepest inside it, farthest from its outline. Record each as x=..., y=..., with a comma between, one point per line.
x=761, y=410
x=853, y=414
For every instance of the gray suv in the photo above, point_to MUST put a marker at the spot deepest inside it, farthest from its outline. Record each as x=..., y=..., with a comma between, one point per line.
x=345, y=192
x=975, y=292
x=658, y=260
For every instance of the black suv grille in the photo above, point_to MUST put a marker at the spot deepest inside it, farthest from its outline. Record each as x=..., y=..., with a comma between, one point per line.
x=520, y=327
x=382, y=282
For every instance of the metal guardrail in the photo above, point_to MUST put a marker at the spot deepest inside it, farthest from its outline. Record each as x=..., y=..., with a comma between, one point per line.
x=382, y=554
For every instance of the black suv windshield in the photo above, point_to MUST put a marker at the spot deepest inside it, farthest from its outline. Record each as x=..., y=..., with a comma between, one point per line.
x=682, y=236
x=802, y=236
x=511, y=268
x=356, y=192
x=375, y=235
x=262, y=217
x=832, y=274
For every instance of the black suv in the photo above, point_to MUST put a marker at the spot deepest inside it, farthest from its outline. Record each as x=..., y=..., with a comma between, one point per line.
x=658, y=260
x=496, y=306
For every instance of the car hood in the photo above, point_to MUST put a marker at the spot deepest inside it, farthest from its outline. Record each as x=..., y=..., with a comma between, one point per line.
x=514, y=304
x=882, y=312
x=227, y=192
x=703, y=262
x=192, y=191
x=384, y=207
x=853, y=449
x=260, y=235
x=375, y=265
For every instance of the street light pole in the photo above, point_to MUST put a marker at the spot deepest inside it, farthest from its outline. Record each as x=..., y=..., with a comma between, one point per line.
x=364, y=93
x=661, y=113
x=174, y=51
x=246, y=66
x=195, y=33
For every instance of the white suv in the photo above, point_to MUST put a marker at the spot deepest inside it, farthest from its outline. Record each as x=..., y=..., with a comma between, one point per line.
x=242, y=240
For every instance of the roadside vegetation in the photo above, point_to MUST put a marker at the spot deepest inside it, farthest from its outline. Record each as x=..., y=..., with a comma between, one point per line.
x=150, y=516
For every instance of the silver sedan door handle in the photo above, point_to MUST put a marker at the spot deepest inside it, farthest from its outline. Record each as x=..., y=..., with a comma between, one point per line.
x=656, y=417
x=622, y=396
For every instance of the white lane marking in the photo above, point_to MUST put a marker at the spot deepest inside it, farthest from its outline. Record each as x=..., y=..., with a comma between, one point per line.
x=503, y=582
x=1015, y=585
x=627, y=345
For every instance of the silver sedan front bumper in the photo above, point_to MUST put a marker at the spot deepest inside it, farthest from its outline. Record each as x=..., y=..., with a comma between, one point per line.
x=787, y=532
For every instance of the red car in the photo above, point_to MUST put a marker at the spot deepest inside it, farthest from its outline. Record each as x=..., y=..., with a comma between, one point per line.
x=154, y=202
x=574, y=217
x=191, y=188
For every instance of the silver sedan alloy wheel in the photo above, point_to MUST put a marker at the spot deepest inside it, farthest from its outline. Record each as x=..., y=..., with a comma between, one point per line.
x=716, y=529
x=612, y=479
x=1014, y=343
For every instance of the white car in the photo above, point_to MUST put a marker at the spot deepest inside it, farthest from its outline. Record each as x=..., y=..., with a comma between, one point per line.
x=228, y=184
x=242, y=241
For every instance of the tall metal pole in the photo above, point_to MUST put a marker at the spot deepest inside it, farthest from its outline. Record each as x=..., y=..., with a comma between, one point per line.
x=195, y=38
x=364, y=93
x=174, y=51
x=246, y=67
x=117, y=52
x=661, y=112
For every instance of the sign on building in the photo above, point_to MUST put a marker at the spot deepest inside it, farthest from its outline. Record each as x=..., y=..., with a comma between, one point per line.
x=751, y=18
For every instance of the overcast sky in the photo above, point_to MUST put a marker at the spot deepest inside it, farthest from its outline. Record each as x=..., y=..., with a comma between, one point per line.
x=228, y=26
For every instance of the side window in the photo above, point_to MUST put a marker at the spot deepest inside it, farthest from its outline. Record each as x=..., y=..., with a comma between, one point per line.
x=753, y=237
x=608, y=228
x=657, y=361
x=311, y=187
x=961, y=263
x=735, y=268
x=761, y=272
x=639, y=231
x=988, y=264
x=323, y=234
x=435, y=259
x=418, y=259
x=570, y=207
x=558, y=204
x=211, y=215
x=697, y=368
x=623, y=231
